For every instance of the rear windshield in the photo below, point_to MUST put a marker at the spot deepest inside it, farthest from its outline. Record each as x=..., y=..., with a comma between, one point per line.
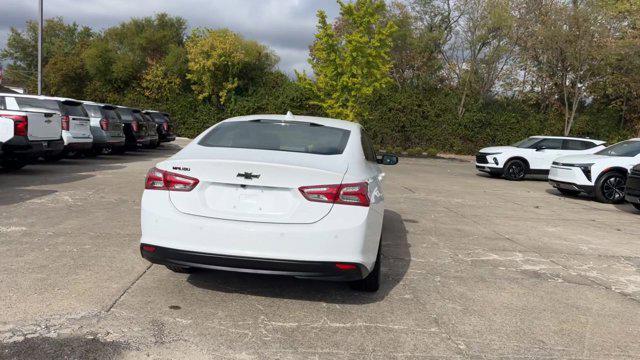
x=37, y=104
x=627, y=148
x=93, y=110
x=137, y=115
x=125, y=113
x=72, y=108
x=158, y=117
x=111, y=114
x=277, y=135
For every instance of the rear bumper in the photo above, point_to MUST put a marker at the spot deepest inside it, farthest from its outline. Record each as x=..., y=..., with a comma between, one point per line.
x=348, y=234
x=21, y=146
x=167, y=137
x=305, y=269
x=111, y=143
x=79, y=146
x=143, y=141
x=76, y=143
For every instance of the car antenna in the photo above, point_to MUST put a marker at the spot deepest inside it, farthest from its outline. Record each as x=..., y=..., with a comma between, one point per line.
x=289, y=116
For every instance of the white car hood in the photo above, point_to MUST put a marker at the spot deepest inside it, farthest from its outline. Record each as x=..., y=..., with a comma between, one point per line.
x=583, y=159
x=497, y=149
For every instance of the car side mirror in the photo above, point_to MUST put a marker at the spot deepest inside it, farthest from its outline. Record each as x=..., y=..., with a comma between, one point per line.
x=540, y=148
x=387, y=159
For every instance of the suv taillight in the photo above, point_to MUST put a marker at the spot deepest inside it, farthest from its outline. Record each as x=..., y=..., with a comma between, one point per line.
x=165, y=180
x=134, y=126
x=65, y=122
x=165, y=126
x=347, y=194
x=20, y=124
x=104, y=124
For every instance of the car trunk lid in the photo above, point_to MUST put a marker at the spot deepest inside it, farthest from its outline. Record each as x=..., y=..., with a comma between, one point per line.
x=234, y=186
x=79, y=122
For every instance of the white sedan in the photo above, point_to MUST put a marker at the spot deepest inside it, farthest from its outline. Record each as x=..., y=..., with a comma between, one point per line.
x=532, y=155
x=602, y=175
x=270, y=194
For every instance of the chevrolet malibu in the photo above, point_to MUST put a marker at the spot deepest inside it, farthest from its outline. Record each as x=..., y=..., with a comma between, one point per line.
x=270, y=194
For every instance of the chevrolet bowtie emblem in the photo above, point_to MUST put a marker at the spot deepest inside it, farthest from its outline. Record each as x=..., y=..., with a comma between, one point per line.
x=248, y=175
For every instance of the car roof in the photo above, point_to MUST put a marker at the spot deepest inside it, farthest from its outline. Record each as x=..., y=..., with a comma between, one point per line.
x=341, y=124
x=41, y=97
x=595, y=141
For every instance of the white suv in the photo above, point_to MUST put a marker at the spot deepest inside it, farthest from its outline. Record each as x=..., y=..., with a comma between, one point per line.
x=602, y=174
x=532, y=155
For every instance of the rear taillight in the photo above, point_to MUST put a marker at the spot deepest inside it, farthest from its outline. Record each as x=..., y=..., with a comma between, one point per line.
x=165, y=126
x=65, y=122
x=20, y=124
x=348, y=194
x=104, y=124
x=164, y=180
x=135, y=126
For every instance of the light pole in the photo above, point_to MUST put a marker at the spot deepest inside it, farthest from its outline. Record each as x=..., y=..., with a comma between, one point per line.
x=40, y=19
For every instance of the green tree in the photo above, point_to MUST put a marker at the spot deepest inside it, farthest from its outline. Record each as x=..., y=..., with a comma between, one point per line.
x=60, y=40
x=352, y=60
x=117, y=60
x=222, y=63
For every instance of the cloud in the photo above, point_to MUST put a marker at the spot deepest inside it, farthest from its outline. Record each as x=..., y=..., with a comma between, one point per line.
x=287, y=26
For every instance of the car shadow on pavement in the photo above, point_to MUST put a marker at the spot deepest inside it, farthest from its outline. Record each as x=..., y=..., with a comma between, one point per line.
x=626, y=207
x=396, y=258
x=581, y=196
x=14, y=185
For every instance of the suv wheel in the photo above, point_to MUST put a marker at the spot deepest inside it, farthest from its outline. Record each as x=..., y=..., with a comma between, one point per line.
x=515, y=170
x=610, y=188
x=371, y=283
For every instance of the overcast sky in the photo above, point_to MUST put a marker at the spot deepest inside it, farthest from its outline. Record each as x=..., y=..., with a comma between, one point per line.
x=287, y=26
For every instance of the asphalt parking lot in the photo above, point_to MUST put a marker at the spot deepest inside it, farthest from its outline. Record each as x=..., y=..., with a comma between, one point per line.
x=473, y=267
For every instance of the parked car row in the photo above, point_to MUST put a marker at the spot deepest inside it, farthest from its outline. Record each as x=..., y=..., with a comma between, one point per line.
x=51, y=128
x=610, y=174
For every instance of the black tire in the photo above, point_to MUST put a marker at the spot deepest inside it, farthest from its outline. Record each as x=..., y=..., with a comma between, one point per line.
x=569, y=192
x=515, y=170
x=12, y=164
x=180, y=269
x=371, y=283
x=610, y=188
x=637, y=206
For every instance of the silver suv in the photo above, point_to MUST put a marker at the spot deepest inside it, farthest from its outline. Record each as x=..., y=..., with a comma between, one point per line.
x=106, y=128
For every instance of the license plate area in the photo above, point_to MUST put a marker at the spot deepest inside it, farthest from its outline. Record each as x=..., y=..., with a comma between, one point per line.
x=248, y=199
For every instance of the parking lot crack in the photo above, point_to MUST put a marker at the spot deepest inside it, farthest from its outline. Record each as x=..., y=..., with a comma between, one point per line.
x=587, y=280
x=113, y=304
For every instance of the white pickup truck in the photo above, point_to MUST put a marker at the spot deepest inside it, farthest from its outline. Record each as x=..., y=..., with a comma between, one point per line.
x=28, y=134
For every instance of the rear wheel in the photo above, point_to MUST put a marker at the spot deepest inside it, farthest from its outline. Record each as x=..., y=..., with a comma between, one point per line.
x=569, y=192
x=371, y=283
x=610, y=188
x=637, y=206
x=180, y=269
